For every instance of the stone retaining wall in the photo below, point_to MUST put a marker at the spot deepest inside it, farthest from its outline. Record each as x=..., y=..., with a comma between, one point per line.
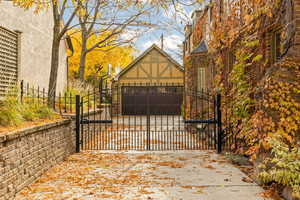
x=26, y=154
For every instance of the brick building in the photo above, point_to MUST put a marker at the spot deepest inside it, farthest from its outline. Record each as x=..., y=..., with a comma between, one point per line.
x=278, y=37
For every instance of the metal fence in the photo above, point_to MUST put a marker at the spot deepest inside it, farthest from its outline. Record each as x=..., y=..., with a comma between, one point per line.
x=205, y=125
x=63, y=103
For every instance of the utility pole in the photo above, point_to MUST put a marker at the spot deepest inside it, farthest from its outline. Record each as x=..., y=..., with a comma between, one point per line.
x=162, y=41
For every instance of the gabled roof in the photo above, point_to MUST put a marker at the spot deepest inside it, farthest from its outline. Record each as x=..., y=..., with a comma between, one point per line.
x=144, y=54
x=202, y=48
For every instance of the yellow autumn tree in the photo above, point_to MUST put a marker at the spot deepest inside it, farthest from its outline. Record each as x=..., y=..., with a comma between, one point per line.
x=98, y=60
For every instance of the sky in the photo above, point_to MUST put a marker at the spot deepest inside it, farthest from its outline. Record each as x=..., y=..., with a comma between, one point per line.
x=171, y=25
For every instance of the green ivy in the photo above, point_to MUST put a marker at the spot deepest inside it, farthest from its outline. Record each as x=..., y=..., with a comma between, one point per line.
x=283, y=167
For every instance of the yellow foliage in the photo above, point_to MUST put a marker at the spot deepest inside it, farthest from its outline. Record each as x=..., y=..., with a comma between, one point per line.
x=119, y=56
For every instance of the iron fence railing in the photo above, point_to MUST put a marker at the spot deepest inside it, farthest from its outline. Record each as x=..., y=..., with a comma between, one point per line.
x=64, y=102
x=208, y=115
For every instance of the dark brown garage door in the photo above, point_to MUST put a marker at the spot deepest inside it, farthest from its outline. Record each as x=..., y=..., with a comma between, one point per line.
x=157, y=100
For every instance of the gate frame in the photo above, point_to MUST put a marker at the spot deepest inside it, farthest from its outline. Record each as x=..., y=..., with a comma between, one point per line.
x=217, y=121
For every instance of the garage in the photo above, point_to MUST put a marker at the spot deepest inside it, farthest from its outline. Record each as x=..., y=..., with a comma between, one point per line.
x=160, y=100
x=151, y=84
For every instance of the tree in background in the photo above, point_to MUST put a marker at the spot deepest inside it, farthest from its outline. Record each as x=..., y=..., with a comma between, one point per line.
x=64, y=13
x=90, y=17
x=107, y=20
x=97, y=61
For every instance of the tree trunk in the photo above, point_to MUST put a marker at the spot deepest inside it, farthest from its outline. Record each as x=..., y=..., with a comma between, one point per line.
x=82, y=65
x=54, y=67
x=82, y=57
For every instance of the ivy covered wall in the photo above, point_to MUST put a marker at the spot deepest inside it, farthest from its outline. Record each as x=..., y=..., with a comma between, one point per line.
x=255, y=50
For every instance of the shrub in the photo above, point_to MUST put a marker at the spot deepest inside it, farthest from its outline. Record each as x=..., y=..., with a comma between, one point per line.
x=10, y=112
x=13, y=112
x=284, y=167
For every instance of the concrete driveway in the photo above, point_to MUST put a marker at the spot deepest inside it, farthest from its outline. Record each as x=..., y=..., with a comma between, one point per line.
x=168, y=175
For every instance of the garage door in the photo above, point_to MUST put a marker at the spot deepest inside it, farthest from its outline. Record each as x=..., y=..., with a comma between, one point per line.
x=157, y=100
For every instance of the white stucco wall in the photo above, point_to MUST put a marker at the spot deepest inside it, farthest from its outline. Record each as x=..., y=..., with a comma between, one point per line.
x=36, y=42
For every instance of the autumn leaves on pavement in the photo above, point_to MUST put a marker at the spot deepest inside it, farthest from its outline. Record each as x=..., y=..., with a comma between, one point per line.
x=133, y=175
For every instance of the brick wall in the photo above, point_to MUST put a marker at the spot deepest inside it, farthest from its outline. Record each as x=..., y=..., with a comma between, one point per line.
x=295, y=50
x=26, y=154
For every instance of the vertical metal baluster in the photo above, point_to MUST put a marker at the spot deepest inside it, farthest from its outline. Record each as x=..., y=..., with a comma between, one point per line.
x=202, y=117
x=70, y=101
x=194, y=130
x=33, y=94
x=77, y=124
x=182, y=107
x=171, y=93
x=108, y=133
x=65, y=102
x=215, y=118
x=88, y=117
x=44, y=102
x=166, y=120
x=129, y=128
x=54, y=102
x=124, y=133
x=38, y=93
x=27, y=89
x=22, y=90
x=192, y=117
x=179, y=116
x=156, y=139
x=163, y=135
x=95, y=143
x=186, y=131
x=219, y=124
x=208, y=118
x=82, y=126
x=190, y=126
x=102, y=110
x=110, y=103
x=141, y=137
x=135, y=133
x=118, y=113
x=59, y=99
x=199, y=133
x=225, y=124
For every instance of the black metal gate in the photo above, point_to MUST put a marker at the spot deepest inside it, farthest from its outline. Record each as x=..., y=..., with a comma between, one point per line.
x=144, y=117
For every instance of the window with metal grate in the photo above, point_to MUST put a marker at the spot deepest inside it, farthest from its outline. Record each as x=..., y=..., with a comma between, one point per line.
x=8, y=59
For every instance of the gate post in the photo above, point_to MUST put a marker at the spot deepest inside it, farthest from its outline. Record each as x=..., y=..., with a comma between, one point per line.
x=219, y=123
x=77, y=123
x=100, y=90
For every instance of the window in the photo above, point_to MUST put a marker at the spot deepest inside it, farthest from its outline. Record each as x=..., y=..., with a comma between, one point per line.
x=201, y=79
x=8, y=59
x=276, y=49
x=210, y=16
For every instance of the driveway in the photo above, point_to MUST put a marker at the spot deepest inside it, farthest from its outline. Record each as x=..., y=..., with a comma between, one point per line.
x=168, y=175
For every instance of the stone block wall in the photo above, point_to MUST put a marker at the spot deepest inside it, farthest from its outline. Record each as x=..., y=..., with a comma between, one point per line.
x=26, y=154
